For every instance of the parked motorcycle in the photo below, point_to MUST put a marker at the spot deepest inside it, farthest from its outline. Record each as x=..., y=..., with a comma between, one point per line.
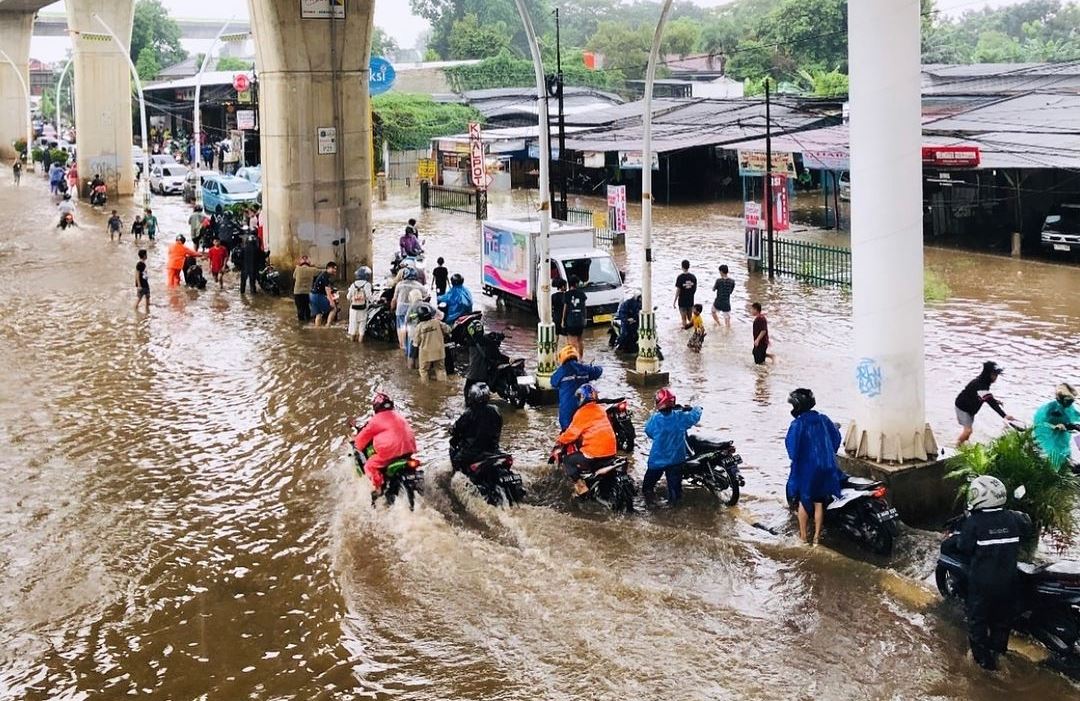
x=618, y=414
x=457, y=348
x=270, y=279
x=864, y=514
x=609, y=480
x=1048, y=599
x=403, y=473
x=614, y=331
x=98, y=196
x=494, y=478
x=714, y=465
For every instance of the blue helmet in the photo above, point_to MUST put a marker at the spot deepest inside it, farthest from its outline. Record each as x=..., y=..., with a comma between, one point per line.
x=585, y=394
x=409, y=274
x=363, y=273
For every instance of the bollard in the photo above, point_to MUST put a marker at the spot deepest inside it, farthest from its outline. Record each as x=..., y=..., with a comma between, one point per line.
x=1017, y=240
x=380, y=179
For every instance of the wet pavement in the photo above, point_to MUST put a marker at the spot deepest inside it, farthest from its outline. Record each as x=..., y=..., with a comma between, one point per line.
x=178, y=518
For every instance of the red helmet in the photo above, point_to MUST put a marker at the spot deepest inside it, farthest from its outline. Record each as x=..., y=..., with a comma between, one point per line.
x=665, y=399
x=381, y=402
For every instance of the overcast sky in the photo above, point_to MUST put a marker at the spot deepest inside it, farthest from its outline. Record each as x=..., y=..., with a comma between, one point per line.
x=393, y=16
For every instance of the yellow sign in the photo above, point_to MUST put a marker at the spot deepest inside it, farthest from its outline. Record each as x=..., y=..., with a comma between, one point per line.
x=599, y=220
x=425, y=169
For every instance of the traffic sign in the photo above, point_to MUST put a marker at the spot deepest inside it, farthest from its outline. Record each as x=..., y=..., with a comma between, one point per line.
x=425, y=169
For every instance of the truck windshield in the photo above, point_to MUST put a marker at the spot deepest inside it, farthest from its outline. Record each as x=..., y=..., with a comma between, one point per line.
x=594, y=273
x=1070, y=220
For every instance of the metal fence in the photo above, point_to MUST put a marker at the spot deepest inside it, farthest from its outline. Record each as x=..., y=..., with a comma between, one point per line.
x=803, y=260
x=585, y=217
x=454, y=199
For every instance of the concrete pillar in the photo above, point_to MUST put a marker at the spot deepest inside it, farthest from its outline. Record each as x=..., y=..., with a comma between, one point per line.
x=313, y=78
x=103, y=92
x=886, y=233
x=16, y=29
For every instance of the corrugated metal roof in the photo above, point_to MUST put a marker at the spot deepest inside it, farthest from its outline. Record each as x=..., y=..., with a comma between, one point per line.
x=1045, y=113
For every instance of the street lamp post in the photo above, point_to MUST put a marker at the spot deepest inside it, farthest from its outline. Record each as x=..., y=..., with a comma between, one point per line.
x=647, y=366
x=29, y=111
x=145, y=180
x=197, y=122
x=59, y=85
x=545, y=330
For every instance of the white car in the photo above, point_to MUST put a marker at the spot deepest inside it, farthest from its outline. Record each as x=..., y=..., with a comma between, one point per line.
x=167, y=178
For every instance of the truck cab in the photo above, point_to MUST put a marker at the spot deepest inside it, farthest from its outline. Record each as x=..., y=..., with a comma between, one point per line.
x=1061, y=230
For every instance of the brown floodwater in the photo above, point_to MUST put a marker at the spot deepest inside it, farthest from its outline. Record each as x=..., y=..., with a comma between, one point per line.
x=179, y=520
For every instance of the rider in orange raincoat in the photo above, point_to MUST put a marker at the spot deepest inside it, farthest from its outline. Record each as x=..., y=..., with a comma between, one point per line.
x=391, y=435
x=178, y=251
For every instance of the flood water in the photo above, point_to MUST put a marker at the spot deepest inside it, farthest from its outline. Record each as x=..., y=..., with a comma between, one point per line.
x=179, y=520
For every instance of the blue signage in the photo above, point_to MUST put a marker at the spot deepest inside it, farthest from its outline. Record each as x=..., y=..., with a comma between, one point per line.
x=382, y=75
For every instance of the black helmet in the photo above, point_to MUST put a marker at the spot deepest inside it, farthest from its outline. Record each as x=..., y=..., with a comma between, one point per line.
x=425, y=312
x=478, y=395
x=801, y=401
x=456, y=279
x=991, y=368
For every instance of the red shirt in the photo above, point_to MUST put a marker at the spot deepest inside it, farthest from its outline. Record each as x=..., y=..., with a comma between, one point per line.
x=218, y=255
x=761, y=324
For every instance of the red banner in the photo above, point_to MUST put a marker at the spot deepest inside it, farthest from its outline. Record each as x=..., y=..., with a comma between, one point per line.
x=951, y=156
x=781, y=215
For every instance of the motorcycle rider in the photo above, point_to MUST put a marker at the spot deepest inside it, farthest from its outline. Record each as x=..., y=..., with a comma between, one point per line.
x=568, y=378
x=812, y=441
x=390, y=434
x=477, y=432
x=628, y=315
x=592, y=429
x=667, y=428
x=67, y=212
x=973, y=396
x=484, y=355
x=990, y=537
x=400, y=302
x=409, y=243
x=1054, y=421
x=458, y=299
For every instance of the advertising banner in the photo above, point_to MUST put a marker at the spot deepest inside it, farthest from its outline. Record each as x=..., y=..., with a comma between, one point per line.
x=506, y=262
x=631, y=160
x=781, y=214
x=616, y=200
x=476, y=157
x=753, y=163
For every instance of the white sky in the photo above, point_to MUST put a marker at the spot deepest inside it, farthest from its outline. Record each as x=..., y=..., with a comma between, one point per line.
x=393, y=16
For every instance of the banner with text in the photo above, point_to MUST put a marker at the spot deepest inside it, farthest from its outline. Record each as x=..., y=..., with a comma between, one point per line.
x=616, y=202
x=753, y=163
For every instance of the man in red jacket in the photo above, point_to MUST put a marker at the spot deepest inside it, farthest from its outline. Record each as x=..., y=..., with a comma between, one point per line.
x=391, y=435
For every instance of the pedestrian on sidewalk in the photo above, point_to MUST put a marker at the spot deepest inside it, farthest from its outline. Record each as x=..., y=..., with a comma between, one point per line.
x=697, y=338
x=685, y=289
x=142, y=282
x=761, y=335
x=115, y=226
x=303, y=277
x=151, y=224
x=723, y=287
x=440, y=275
x=218, y=256
x=574, y=315
x=138, y=228
x=16, y=170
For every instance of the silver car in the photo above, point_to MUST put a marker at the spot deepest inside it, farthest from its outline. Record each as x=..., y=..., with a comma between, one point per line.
x=167, y=178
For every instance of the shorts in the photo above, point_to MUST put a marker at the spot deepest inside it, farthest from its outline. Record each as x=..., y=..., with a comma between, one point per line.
x=759, y=354
x=144, y=292
x=724, y=306
x=320, y=304
x=574, y=330
x=963, y=418
x=686, y=308
x=401, y=321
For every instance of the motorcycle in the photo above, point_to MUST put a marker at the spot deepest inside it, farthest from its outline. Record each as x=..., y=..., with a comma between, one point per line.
x=403, y=473
x=493, y=477
x=457, y=349
x=714, y=465
x=615, y=330
x=618, y=414
x=193, y=274
x=863, y=513
x=67, y=219
x=507, y=378
x=381, y=325
x=1048, y=597
x=98, y=196
x=270, y=279
x=609, y=480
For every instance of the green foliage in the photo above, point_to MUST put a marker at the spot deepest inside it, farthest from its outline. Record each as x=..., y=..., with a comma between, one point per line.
x=681, y=37
x=625, y=48
x=37, y=155
x=469, y=39
x=822, y=83
x=155, y=31
x=410, y=121
x=147, y=66
x=20, y=147
x=231, y=63
x=443, y=14
x=382, y=44
x=757, y=87
x=935, y=288
x=1052, y=497
x=1035, y=30
x=506, y=71
x=59, y=156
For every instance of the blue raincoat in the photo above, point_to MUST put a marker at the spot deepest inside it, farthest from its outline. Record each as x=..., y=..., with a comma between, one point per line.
x=566, y=379
x=668, y=434
x=458, y=301
x=812, y=441
x=1054, y=443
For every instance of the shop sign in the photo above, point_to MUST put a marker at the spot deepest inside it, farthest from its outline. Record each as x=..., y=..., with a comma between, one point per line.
x=245, y=119
x=827, y=160
x=752, y=214
x=241, y=82
x=616, y=201
x=322, y=9
x=951, y=156
x=476, y=157
x=425, y=169
x=632, y=160
x=381, y=75
x=753, y=163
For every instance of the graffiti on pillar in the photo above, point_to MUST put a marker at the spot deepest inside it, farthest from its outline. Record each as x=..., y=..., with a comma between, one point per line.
x=108, y=167
x=868, y=375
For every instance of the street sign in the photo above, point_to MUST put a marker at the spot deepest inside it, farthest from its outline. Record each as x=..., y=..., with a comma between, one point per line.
x=327, y=141
x=425, y=169
x=245, y=119
x=476, y=157
x=752, y=214
x=322, y=9
x=616, y=201
x=381, y=75
x=240, y=82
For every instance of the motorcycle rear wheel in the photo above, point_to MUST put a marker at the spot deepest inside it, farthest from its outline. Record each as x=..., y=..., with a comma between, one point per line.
x=513, y=394
x=877, y=537
x=726, y=486
x=948, y=583
x=624, y=495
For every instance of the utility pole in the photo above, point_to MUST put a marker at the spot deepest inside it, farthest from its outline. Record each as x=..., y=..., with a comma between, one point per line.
x=555, y=89
x=768, y=178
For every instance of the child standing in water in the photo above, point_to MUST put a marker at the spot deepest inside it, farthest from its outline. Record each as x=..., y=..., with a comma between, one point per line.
x=137, y=227
x=697, y=337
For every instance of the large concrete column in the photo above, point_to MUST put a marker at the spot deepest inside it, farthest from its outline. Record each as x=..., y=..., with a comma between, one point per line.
x=313, y=75
x=16, y=29
x=886, y=232
x=103, y=104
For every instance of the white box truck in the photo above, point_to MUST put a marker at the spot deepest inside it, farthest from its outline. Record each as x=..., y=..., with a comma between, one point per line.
x=510, y=265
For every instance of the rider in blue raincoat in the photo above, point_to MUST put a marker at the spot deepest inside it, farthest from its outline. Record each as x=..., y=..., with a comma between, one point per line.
x=458, y=299
x=812, y=441
x=566, y=379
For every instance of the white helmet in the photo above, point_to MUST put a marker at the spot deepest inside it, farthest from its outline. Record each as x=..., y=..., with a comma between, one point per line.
x=986, y=492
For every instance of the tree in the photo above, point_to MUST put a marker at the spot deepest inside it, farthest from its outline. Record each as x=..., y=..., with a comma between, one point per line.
x=681, y=37
x=411, y=121
x=147, y=66
x=442, y=14
x=469, y=39
x=997, y=47
x=153, y=30
x=231, y=63
x=382, y=44
x=623, y=47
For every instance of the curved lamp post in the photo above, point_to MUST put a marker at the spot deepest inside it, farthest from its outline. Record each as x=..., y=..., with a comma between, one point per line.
x=59, y=85
x=29, y=111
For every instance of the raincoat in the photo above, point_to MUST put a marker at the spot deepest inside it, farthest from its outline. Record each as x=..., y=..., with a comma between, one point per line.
x=175, y=263
x=812, y=441
x=566, y=379
x=668, y=434
x=1055, y=443
x=392, y=437
x=592, y=428
x=458, y=301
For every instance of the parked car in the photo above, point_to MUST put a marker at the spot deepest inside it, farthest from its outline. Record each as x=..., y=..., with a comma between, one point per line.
x=189, y=182
x=252, y=174
x=845, y=186
x=1061, y=231
x=167, y=178
x=226, y=190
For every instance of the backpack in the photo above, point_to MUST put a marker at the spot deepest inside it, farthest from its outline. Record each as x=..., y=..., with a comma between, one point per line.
x=359, y=293
x=575, y=311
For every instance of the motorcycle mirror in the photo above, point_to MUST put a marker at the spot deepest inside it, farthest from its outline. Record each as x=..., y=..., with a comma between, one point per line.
x=1019, y=492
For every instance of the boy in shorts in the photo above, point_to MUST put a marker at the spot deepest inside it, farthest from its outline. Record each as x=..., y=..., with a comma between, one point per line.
x=142, y=282
x=723, y=287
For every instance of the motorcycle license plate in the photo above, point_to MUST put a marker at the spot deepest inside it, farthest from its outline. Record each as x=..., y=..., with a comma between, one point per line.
x=603, y=318
x=1061, y=247
x=887, y=515
x=526, y=380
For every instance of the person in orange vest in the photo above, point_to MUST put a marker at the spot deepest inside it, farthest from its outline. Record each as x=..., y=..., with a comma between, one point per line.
x=591, y=430
x=174, y=264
